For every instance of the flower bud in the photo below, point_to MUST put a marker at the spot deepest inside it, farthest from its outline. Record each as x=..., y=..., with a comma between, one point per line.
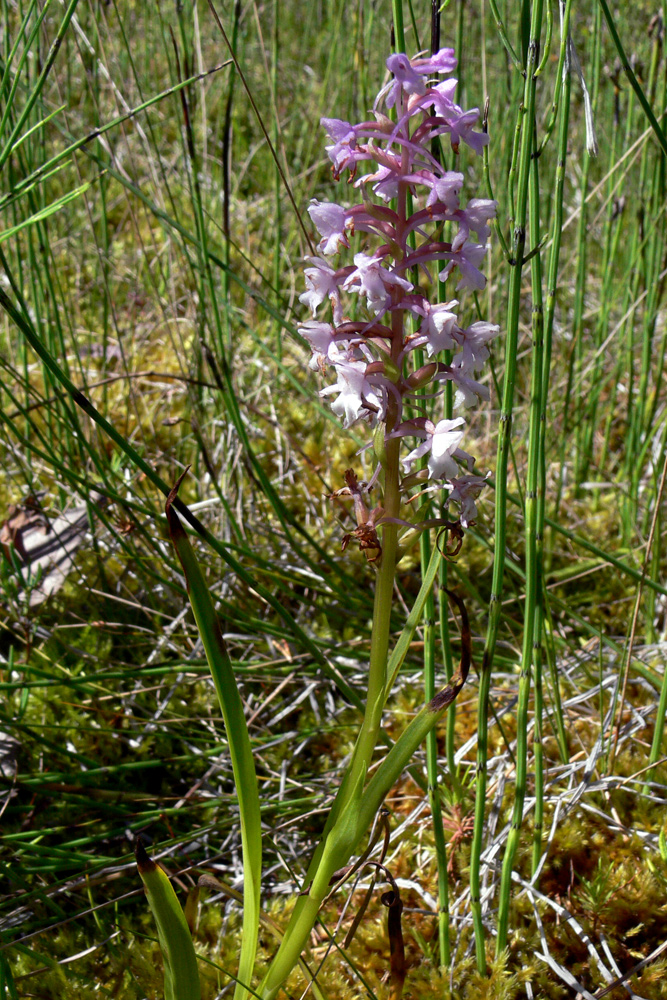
x=386, y=368
x=422, y=376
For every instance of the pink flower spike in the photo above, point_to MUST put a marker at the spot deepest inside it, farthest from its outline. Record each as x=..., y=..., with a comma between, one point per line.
x=372, y=343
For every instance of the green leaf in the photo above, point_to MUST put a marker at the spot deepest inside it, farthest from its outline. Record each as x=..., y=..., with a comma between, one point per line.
x=181, y=977
x=240, y=749
x=45, y=212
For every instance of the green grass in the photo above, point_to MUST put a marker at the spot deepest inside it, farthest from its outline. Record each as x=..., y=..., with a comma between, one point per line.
x=154, y=257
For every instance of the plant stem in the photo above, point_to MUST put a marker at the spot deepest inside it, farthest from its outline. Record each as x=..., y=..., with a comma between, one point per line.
x=525, y=156
x=343, y=831
x=432, y=765
x=543, y=611
x=527, y=116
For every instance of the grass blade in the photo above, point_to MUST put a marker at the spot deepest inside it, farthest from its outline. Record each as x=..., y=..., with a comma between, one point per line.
x=240, y=749
x=181, y=977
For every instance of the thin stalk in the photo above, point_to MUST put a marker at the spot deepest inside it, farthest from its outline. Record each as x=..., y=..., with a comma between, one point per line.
x=538, y=731
x=641, y=429
x=432, y=767
x=504, y=440
x=533, y=575
x=643, y=281
x=634, y=83
x=502, y=34
x=662, y=706
x=613, y=231
x=226, y=183
x=448, y=660
x=38, y=86
x=543, y=615
x=399, y=30
x=277, y=180
x=532, y=644
x=573, y=422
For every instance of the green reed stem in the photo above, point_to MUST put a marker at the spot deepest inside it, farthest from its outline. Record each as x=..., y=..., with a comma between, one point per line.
x=532, y=568
x=634, y=83
x=399, y=29
x=613, y=231
x=527, y=113
x=532, y=639
x=641, y=430
x=432, y=767
x=543, y=615
x=277, y=178
x=644, y=284
x=574, y=401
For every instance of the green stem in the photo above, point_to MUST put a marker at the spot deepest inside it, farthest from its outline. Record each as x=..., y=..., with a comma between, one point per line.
x=634, y=83
x=432, y=766
x=532, y=650
x=513, y=315
x=399, y=30
x=384, y=587
x=532, y=569
x=344, y=828
x=552, y=285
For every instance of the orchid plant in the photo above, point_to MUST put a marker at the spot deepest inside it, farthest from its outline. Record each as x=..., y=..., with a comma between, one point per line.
x=410, y=201
x=391, y=355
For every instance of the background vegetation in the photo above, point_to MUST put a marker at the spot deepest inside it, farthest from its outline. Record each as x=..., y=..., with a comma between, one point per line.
x=153, y=204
